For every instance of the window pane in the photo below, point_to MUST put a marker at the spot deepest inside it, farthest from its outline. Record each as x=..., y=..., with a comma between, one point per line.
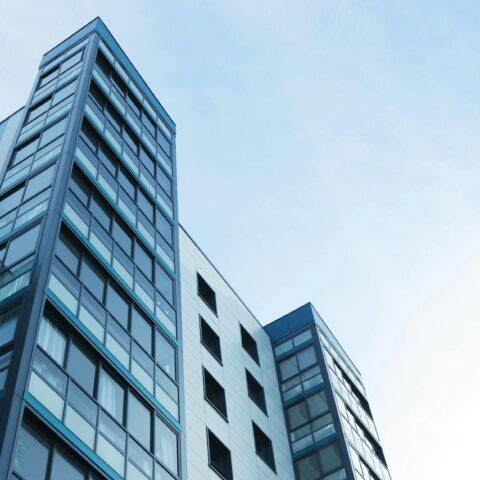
x=68, y=252
x=143, y=260
x=37, y=110
x=39, y=182
x=145, y=205
x=82, y=368
x=165, y=355
x=122, y=237
x=118, y=306
x=31, y=455
x=101, y=211
x=48, y=77
x=25, y=151
x=165, y=445
x=308, y=468
x=22, y=246
x=8, y=322
x=306, y=358
x=111, y=396
x=70, y=62
x=330, y=458
x=298, y=415
x=53, y=132
x=288, y=367
x=317, y=404
x=139, y=421
x=64, y=93
x=164, y=283
x=93, y=279
x=141, y=331
x=63, y=469
x=11, y=201
x=52, y=340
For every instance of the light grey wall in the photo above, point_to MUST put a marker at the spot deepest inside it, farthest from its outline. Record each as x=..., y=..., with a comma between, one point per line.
x=237, y=434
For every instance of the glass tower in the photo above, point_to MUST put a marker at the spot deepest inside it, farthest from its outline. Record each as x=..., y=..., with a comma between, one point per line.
x=90, y=337
x=331, y=430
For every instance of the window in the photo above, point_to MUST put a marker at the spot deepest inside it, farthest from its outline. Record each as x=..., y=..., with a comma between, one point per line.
x=8, y=322
x=291, y=343
x=37, y=110
x=263, y=446
x=141, y=331
x=31, y=455
x=164, y=283
x=52, y=340
x=143, y=260
x=139, y=421
x=296, y=363
x=63, y=468
x=166, y=445
x=206, y=293
x=210, y=339
x=53, y=132
x=48, y=77
x=27, y=149
x=249, y=344
x=219, y=457
x=21, y=246
x=321, y=463
x=73, y=60
x=214, y=393
x=91, y=276
x=81, y=367
x=118, y=306
x=256, y=392
x=111, y=396
x=4, y=364
x=39, y=182
x=165, y=354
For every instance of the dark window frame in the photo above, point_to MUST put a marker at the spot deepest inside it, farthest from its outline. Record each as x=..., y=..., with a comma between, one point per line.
x=256, y=392
x=206, y=329
x=249, y=344
x=224, y=471
x=264, y=450
x=207, y=294
x=219, y=404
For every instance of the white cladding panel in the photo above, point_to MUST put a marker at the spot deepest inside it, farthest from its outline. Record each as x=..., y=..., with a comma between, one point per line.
x=237, y=433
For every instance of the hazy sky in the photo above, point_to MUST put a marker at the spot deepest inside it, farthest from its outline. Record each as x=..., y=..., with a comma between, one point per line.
x=328, y=151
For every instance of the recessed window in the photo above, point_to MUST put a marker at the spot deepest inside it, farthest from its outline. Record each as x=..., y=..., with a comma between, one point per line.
x=256, y=391
x=249, y=344
x=210, y=339
x=219, y=457
x=263, y=446
x=214, y=393
x=206, y=293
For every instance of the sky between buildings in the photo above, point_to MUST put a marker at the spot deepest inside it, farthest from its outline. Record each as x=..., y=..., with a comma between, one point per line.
x=328, y=151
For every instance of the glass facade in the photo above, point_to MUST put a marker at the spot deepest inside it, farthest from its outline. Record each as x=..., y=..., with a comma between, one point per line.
x=331, y=430
x=88, y=261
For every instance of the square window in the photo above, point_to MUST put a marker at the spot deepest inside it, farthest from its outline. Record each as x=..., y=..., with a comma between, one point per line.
x=206, y=293
x=210, y=340
x=249, y=344
x=215, y=394
x=24, y=151
x=219, y=457
x=48, y=77
x=21, y=246
x=256, y=392
x=263, y=446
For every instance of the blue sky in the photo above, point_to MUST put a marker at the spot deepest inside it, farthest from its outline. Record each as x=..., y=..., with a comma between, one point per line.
x=327, y=152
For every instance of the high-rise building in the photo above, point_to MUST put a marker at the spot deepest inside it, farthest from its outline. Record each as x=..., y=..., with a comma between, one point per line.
x=124, y=353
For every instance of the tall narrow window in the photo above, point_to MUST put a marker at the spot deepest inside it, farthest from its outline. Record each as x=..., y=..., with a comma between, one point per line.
x=249, y=344
x=215, y=393
x=206, y=293
x=8, y=322
x=81, y=367
x=210, y=340
x=263, y=446
x=111, y=396
x=52, y=340
x=219, y=457
x=166, y=445
x=256, y=392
